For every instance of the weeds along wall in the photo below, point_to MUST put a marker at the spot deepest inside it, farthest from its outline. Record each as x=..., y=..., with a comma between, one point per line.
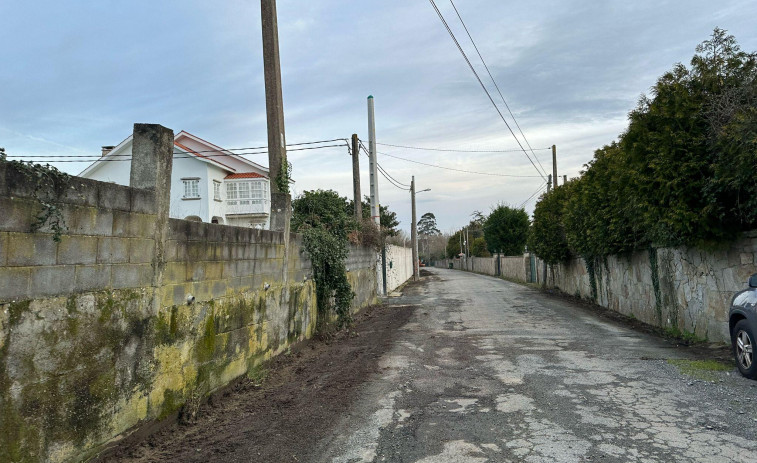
x=131, y=315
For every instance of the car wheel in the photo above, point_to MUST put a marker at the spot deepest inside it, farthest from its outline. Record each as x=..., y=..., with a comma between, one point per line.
x=743, y=349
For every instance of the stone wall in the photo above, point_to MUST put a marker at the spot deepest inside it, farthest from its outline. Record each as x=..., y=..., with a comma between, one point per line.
x=517, y=268
x=684, y=289
x=132, y=314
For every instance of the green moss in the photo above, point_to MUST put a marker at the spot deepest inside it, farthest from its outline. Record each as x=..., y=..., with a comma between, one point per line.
x=700, y=369
x=16, y=310
x=71, y=305
x=167, y=327
x=20, y=440
x=172, y=402
x=205, y=347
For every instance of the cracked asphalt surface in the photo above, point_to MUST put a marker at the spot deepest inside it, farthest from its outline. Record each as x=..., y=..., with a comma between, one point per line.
x=487, y=370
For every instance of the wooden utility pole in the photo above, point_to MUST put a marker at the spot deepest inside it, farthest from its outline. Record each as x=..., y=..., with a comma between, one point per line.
x=356, y=177
x=549, y=187
x=278, y=168
x=554, y=166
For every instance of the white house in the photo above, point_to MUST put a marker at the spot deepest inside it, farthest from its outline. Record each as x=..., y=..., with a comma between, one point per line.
x=208, y=183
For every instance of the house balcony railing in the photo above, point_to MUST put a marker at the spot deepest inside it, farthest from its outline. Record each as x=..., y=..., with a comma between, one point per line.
x=247, y=206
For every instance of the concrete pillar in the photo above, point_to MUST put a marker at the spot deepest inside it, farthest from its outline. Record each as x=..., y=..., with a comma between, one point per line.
x=151, y=165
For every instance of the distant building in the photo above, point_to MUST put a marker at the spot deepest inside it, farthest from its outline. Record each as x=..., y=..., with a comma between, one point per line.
x=208, y=183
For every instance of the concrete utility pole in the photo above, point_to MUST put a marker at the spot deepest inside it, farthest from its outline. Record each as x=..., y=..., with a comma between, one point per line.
x=375, y=205
x=554, y=165
x=414, y=232
x=564, y=179
x=356, y=177
x=549, y=187
x=277, y=156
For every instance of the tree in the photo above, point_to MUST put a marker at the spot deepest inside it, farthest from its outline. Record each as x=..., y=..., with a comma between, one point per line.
x=547, y=233
x=453, y=245
x=387, y=218
x=506, y=230
x=427, y=225
x=478, y=248
x=681, y=174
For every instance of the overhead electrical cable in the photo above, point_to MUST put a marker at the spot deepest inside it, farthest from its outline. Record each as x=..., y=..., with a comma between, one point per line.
x=470, y=65
x=127, y=157
x=387, y=177
x=541, y=188
x=387, y=173
x=495, y=84
x=458, y=170
x=455, y=151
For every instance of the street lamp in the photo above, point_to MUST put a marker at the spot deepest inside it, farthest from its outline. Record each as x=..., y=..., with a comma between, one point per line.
x=414, y=230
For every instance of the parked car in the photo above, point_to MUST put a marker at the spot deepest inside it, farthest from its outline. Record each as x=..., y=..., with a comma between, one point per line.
x=742, y=320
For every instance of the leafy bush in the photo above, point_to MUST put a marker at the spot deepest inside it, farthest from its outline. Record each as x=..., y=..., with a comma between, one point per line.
x=321, y=216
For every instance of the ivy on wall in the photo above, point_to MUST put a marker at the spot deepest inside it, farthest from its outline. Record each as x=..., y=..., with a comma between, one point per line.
x=47, y=185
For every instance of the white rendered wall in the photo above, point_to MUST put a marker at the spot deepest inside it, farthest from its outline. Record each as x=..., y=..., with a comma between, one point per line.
x=399, y=267
x=185, y=167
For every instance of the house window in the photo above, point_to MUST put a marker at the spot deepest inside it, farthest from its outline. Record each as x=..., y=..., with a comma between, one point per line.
x=259, y=192
x=191, y=188
x=246, y=193
x=216, y=190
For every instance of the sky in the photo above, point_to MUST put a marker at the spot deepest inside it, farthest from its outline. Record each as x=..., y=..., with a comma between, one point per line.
x=77, y=75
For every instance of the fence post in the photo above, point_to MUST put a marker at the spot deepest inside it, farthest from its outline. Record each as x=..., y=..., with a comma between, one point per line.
x=151, y=165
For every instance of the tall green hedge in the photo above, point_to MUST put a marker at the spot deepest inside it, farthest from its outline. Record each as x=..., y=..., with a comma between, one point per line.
x=683, y=172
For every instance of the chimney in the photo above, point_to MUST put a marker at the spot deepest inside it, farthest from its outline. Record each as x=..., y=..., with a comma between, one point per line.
x=107, y=149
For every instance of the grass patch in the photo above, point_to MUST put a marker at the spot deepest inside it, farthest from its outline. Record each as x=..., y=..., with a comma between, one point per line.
x=257, y=375
x=700, y=369
x=684, y=336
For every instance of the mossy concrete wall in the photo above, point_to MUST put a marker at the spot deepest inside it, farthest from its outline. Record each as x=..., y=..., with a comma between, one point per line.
x=117, y=325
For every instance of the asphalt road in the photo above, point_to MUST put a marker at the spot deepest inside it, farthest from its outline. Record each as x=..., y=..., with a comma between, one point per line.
x=487, y=370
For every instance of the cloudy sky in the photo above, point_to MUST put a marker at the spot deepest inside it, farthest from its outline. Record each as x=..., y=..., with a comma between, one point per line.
x=76, y=75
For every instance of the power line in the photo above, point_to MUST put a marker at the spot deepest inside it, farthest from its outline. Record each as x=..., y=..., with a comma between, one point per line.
x=495, y=84
x=458, y=170
x=391, y=179
x=126, y=157
x=385, y=175
x=222, y=150
x=470, y=65
x=456, y=151
x=541, y=188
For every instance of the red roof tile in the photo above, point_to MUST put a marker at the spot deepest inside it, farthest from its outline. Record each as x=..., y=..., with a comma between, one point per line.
x=245, y=175
x=188, y=150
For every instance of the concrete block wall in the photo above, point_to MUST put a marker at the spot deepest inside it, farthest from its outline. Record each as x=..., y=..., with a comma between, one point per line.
x=131, y=314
